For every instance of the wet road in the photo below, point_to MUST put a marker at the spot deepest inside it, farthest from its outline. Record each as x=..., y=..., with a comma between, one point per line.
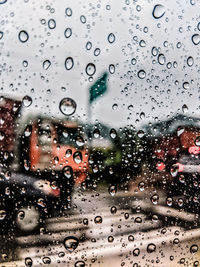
x=120, y=230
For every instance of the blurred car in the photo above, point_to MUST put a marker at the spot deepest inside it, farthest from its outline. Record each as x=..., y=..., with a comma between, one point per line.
x=186, y=174
x=55, y=149
x=25, y=202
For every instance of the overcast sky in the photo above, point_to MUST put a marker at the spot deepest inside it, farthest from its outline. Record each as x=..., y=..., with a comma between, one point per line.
x=163, y=89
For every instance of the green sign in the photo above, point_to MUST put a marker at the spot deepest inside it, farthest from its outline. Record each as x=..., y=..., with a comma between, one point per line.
x=99, y=87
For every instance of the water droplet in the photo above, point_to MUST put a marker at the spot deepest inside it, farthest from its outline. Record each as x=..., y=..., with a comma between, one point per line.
x=2, y=2
x=79, y=141
x=140, y=133
x=190, y=61
x=25, y=63
x=61, y=254
x=112, y=69
x=133, y=61
x=169, y=201
x=2, y=215
x=69, y=63
x=197, y=141
x=21, y=214
x=142, y=115
x=67, y=106
x=186, y=85
x=151, y=248
x=154, y=199
x=23, y=36
x=112, y=190
x=83, y=19
x=174, y=170
x=113, y=133
x=28, y=261
x=88, y=45
x=71, y=243
x=110, y=239
x=141, y=74
x=161, y=59
x=154, y=51
x=131, y=238
x=180, y=130
x=51, y=24
x=196, y=39
x=46, y=64
x=77, y=157
x=46, y=260
x=141, y=186
x=68, y=12
x=27, y=101
x=68, y=32
x=90, y=69
x=138, y=220
x=96, y=133
x=79, y=264
x=97, y=52
x=1, y=35
x=136, y=252
x=113, y=209
x=158, y=11
x=142, y=43
x=114, y=106
x=98, y=219
x=184, y=108
x=111, y=38
x=68, y=172
x=85, y=221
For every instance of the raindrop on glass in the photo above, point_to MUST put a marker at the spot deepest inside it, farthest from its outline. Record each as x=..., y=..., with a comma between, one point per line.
x=68, y=12
x=197, y=141
x=27, y=101
x=88, y=45
x=67, y=106
x=69, y=63
x=1, y=35
x=77, y=157
x=71, y=243
x=154, y=51
x=90, y=69
x=196, y=39
x=161, y=59
x=68, y=32
x=136, y=252
x=112, y=69
x=83, y=19
x=98, y=219
x=151, y=248
x=185, y=108
x=51, y=24
x=23, y=36
x=133, y=61
x=154, y=199
x=141, y=74
x=113, y=133
x=112, y=190
x=46, y=64
x=2, y=2
x=67, y=171
x=158, y=11
x=79, y=264
x=28, y=261
x=190, y=61
x=111, y=38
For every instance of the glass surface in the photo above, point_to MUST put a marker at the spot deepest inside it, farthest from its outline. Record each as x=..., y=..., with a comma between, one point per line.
x=99, y=133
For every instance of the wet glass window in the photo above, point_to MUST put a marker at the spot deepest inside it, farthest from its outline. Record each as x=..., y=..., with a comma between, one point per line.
x=99, y=133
